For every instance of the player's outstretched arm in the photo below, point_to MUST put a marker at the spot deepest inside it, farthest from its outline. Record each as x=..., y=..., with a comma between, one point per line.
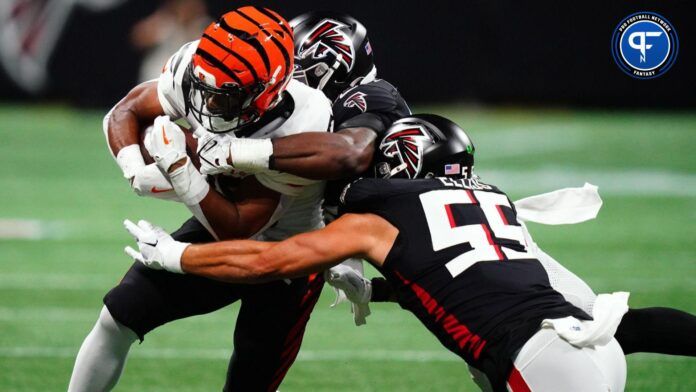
x=365, y=235
x=324, y=156
x=311, y=155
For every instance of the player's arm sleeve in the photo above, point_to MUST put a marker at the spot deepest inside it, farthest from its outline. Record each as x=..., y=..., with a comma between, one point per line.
x=256, y=262
x=375, y=106
x=376, y=122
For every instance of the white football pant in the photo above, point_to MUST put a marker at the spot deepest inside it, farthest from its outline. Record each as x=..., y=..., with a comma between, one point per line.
x=547, y=363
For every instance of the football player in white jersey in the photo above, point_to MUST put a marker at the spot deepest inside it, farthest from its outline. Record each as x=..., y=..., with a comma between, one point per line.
x=235, y=80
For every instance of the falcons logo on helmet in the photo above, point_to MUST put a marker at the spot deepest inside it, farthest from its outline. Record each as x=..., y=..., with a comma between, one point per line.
x=407, y=144
x=357, y=100
x=327, y=37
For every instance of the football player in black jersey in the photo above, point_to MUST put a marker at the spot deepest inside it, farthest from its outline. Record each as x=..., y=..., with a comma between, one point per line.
x=452, y=248
x=334, y=54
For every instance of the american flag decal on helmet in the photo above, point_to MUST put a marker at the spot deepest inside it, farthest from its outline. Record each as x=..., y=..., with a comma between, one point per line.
x=453, y=168
x=357, y=100
x=327, y=37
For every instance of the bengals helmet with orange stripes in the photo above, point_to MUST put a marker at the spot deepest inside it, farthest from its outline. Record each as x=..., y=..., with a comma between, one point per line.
x=242, y=64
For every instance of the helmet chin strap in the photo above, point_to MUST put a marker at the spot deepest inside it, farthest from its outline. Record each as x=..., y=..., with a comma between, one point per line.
x=397, y=170
x=325, y=79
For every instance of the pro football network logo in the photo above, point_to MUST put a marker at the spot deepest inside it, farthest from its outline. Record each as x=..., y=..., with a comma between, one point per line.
x=645, y=45
x=326, y=38
x=357, y=100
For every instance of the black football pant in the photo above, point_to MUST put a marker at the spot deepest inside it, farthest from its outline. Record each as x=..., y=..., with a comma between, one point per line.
x=270, y=325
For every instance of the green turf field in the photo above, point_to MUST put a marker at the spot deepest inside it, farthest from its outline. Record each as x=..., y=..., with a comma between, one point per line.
x=58, y=179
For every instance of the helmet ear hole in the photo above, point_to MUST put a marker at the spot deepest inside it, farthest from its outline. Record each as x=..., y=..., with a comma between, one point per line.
x=321, y=69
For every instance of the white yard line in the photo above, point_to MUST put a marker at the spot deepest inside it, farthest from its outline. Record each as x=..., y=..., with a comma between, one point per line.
x=522, y=141
x=31, y=229
x=611, y=182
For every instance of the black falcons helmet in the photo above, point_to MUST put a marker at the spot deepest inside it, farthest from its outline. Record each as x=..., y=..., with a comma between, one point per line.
x=424, y=146
x=332, y=52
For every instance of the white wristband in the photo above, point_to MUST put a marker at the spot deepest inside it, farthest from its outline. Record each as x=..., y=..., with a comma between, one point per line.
x=130, y=160
x=250, y=154
x=189, y=184
x=171, y=260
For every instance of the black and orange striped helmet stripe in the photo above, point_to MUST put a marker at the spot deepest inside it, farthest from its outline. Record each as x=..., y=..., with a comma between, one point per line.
x=278, y=44
x=275, y=17
x=218, y=64
x=231, y=52
x=251, y=40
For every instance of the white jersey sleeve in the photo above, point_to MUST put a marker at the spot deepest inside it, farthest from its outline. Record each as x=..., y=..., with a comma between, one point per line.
x=169, y=84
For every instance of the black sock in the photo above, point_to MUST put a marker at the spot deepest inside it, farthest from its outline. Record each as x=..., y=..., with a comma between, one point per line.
x=657, y=330
x=382, y=291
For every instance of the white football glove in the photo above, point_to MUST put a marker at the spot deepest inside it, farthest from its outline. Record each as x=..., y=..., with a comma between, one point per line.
x=348, y=281
x=213, y=152
x=166, y=143
x=150, y=182
x=158, y=250
x=248, y=156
